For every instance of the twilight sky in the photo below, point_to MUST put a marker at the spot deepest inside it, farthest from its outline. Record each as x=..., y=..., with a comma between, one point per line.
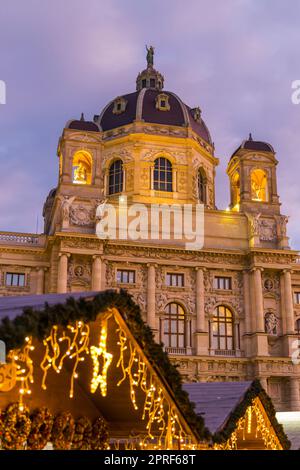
x=236, y=59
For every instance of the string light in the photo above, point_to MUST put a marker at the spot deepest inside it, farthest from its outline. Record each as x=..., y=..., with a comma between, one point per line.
x=100, y=378
x=21, y=359
x=72, y=344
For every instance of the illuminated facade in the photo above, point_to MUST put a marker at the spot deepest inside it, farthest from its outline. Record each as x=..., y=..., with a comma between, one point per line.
x=230, y=311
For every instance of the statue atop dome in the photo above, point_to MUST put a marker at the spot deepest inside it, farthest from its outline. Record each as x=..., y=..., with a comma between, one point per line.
x=150, y=56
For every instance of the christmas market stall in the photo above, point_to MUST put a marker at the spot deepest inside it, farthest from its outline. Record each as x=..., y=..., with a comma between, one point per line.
x=84, y=372
x=239, y=415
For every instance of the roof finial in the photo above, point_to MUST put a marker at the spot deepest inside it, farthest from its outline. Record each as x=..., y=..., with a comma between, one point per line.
x=82, y=117
x=150, y=55
x=250, y=136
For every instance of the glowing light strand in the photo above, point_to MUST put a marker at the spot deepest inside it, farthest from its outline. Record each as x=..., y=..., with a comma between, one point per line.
x=24, y=368
x=72, y=343
x=100, y=378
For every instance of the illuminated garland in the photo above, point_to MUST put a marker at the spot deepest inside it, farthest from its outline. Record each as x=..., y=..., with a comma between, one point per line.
x=38, y=323
x=63, y=431
x=71, y=344
x=16, y=427
x=100, y=378
x=163, y=424
x=41, y=427
x=82, y=434
x=21, y=359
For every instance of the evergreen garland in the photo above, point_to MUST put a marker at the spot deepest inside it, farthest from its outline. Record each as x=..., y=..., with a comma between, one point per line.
x=38, y=323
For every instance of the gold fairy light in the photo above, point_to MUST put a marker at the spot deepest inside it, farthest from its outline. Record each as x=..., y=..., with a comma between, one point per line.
x=100, y=378
x=72, y=344
x=24, y=368
x=163, y=426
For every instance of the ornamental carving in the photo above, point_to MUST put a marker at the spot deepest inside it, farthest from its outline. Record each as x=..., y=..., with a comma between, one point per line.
x=267, y=230
x=82, y=243
x=140, y=299
x=79, y=270
x=110, y=274
x=123, y=154
x=145, y=178
x=82, y=215
x=271, y=323
x=161, y=301
x=182, y=186
x=129, y=179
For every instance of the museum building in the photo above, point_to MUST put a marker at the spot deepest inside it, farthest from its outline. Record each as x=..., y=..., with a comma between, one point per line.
x=227, y=312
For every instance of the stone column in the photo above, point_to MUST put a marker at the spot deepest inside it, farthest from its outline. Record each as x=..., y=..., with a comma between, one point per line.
x=259, y=302
x=294, y=394
x=62, y=275
x=40, y=281
x=151, y=320
x=200, y=322
x=247, y=303
x=288, y=301
x=264, y=383
x=96, y=273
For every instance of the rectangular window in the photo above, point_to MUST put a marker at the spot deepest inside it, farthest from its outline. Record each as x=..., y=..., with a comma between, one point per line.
x=175, y=280
x=15, y=279
x=125, y=276
x=222, y=283
x=297, y=297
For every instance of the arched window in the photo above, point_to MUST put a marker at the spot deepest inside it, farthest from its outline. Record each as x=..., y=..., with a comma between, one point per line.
x=297, y=326
x=174, y=326
x=115, y=177
x=222, y=329
x=235, y=187
x=202, y=186
x=82, y=167
x=259, y=185
x=163, y=177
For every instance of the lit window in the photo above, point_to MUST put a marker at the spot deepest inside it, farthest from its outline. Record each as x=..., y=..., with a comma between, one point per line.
x=82, y=168
x=236, y=191
x=222, y=283
x=125, y=276
x=115, y=179
x=15, y=279
x=259, y=186
x=163, y=174
x=297, y=297
x=175, y=280
x=174, y=326
x=222, y=334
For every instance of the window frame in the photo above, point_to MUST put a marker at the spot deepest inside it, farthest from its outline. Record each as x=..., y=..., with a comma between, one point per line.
x=222, y=333
x=218, y=280
x=163, y=175
x=181, y=325
x=170, y=276
x=123, y=272
x=115, y=187
x=18, y=275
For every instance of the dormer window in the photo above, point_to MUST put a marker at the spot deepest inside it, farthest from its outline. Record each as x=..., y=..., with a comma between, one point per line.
x=162, y=102
x=196, y=113
x=119, y=105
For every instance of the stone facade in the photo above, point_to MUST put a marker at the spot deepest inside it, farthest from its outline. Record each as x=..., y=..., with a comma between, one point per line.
x=245, y=266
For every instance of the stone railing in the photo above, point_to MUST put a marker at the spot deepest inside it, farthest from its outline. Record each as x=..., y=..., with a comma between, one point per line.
x=179, y=351
x=20, y=239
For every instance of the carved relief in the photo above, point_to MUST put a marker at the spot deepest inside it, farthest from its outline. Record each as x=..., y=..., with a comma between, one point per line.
x=145, y=178
x=79, y=271
x=267, y=230
x=129, y=179
x=82, y=215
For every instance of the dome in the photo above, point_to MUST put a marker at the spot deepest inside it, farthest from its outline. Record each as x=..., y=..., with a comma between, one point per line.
x=156, y=107
x=153, y=105
x=254, y=145
x=83, y=125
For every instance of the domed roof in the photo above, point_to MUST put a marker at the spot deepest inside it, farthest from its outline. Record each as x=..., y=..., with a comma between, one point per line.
x=144, y=105
x=151, y=104
x=254, y=145
x=83, y=125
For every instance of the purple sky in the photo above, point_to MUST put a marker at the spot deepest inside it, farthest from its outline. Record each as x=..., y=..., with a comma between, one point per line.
x=236, y=59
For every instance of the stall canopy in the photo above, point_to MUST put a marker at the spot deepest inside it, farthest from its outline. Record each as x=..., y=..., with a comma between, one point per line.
x=90, y=358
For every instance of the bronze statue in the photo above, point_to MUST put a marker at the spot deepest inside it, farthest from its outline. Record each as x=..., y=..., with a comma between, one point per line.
x=150, y=55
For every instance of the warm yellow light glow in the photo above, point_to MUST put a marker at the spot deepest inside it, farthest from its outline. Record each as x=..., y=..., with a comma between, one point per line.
x=259, y=187
x=24, y=368
x=72, y=344
x=82, y=167
x=100, y=378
